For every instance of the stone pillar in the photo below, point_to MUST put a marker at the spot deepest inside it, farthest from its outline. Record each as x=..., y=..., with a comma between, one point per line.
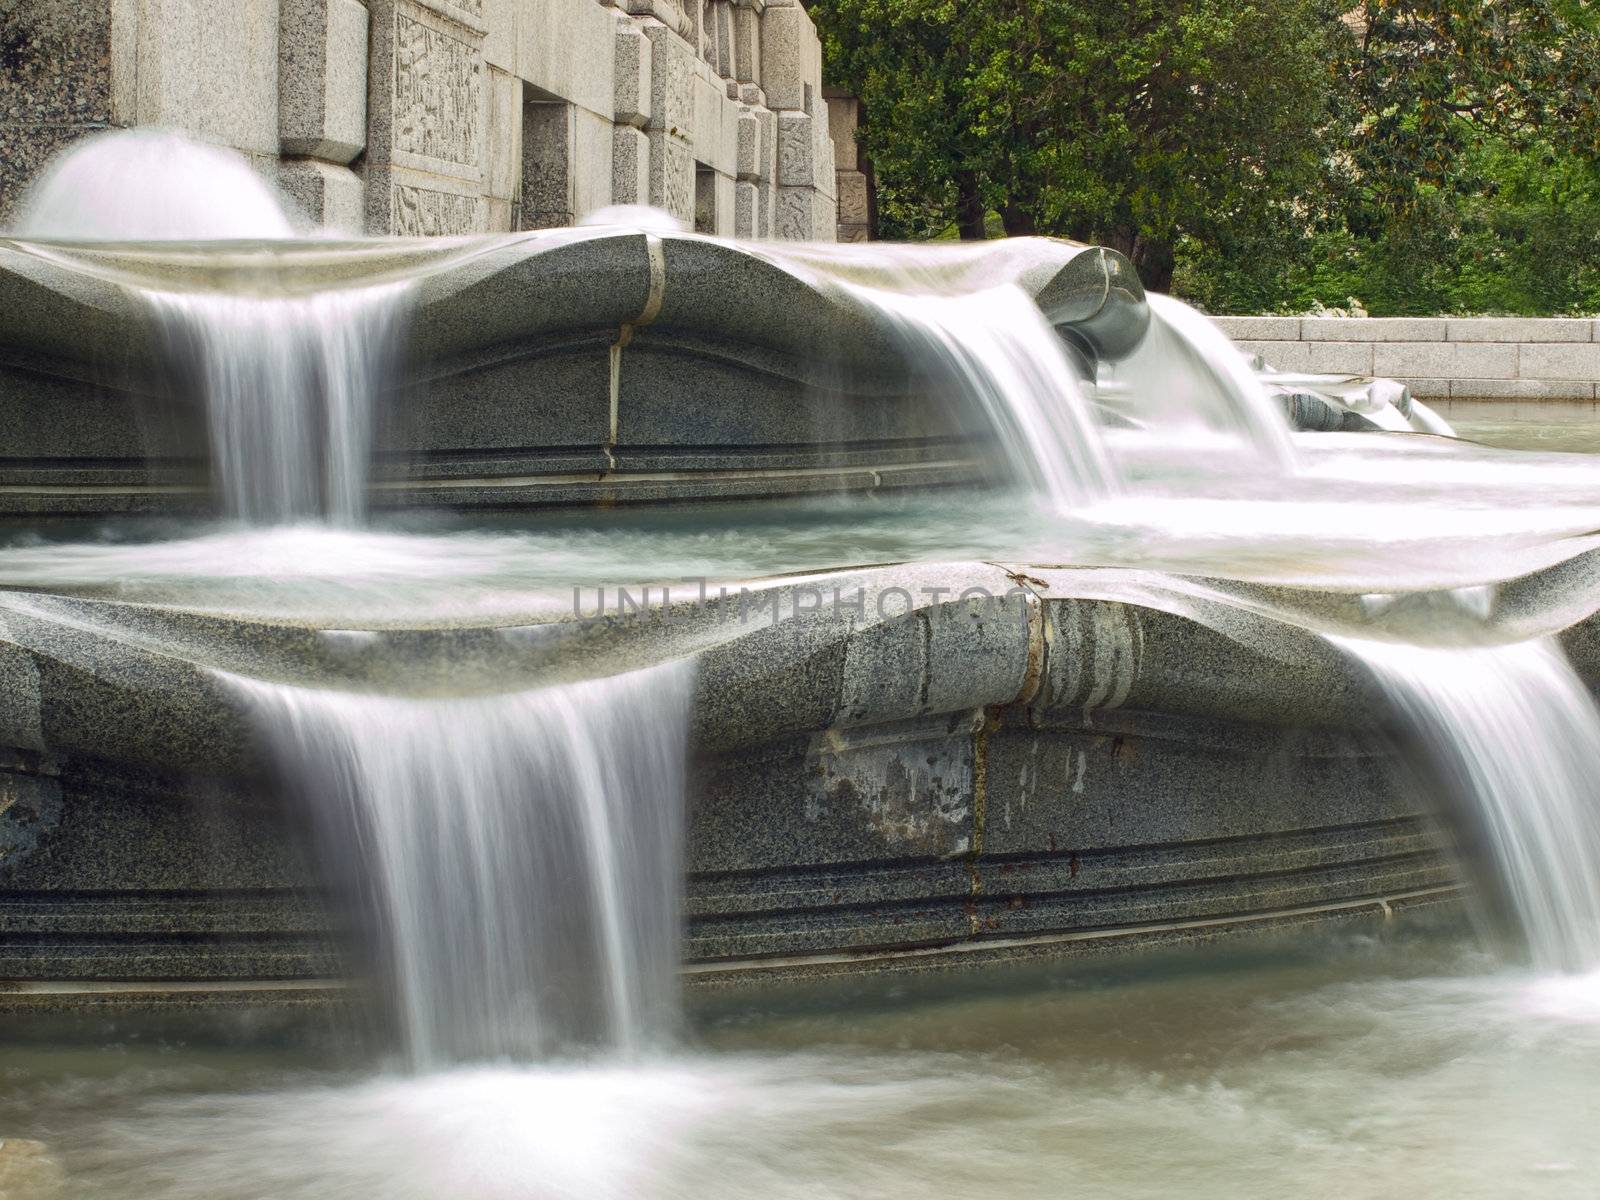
x=791, y=64
x=672, y=80
x=747, y=46
x=322, y=108
x=852, y=173
x=428, y=104
x=503, y=150
x=630, y=144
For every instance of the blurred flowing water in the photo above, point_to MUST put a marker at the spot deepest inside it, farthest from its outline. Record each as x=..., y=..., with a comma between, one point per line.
x=1518, y=735
x=288, y=384
x=517, y=857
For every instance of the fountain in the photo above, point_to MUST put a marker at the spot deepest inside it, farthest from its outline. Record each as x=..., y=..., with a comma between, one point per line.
x=520, y=627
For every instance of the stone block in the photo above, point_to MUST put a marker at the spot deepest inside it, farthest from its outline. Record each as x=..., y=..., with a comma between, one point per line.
x=1522, y=389
x=791, y=58
x=502, y=20
x=1372, y=329
x=567, y=48
x=591, y=162
x=853, y=205
x=1260, y=329
x=854, y=233
x=423, y=206
x=428, y=108
x=672, y=77
x=723, y=14
x=1282, y=356
x=768, y=168
x=1427, y=389
x=797, y=151
x=711, y=104
x=746, y=210
x=748, y=149
x=726, y=188
x=1445, y=360
x=67, y=67
x=671, y=175
x=630, y=165
x=322, y=78
x=822, y=152
x=500, y=215
x=503, y=141
x=805, y=215
x=1339, y=358
x=673, y=15
x=746, y=45
x=469, y=14
x=331, y=197
x=548, y=163
x=182, y=56
x=1519, y=329
x=1559, y=360
x=631, y=75
x=844, y=114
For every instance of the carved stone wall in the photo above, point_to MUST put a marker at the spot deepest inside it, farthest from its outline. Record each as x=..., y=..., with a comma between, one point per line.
x=412, y=117
x=427, y=105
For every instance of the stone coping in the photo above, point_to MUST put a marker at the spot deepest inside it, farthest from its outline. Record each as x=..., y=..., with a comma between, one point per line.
x=1459, y=358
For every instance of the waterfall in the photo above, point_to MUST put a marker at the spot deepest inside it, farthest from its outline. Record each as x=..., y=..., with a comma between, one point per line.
x=1518, y=737
x=1187, y=374
x=288, y=384
x=519, y=855
x=1005, y=359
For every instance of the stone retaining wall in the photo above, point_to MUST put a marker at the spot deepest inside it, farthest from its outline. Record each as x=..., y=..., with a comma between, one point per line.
x=1460, y=358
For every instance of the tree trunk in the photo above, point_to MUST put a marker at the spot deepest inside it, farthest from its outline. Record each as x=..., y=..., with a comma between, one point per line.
x=1151, y=257
x=1155, y=262
x=970, y=214
x=1018, y=221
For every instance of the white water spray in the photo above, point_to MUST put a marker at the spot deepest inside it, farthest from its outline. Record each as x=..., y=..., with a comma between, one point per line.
x=1518, y=735
x=151, y=185
x=519, y=854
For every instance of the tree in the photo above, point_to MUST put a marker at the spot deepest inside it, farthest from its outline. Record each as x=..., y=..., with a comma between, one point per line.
x=1428, y=83
x=1133, y=123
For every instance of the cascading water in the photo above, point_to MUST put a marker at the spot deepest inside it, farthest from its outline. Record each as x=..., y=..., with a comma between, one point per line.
x=287, y=380
x=1188, y=375
x=288, y=385
x=1004, y=358
x=519, y=855
x=1518, y=735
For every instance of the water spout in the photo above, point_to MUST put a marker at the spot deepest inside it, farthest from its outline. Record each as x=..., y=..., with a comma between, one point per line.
x=151, y=185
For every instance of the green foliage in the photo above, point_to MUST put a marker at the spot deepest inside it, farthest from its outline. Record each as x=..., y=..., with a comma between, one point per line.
x=1255, y=155
x=1131, y=123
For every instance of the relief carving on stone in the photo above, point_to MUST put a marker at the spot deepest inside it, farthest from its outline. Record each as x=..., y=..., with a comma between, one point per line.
x=677, y=179
x=794, y=214
x=421, y=212
x=796, y=150
x=438, y=94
